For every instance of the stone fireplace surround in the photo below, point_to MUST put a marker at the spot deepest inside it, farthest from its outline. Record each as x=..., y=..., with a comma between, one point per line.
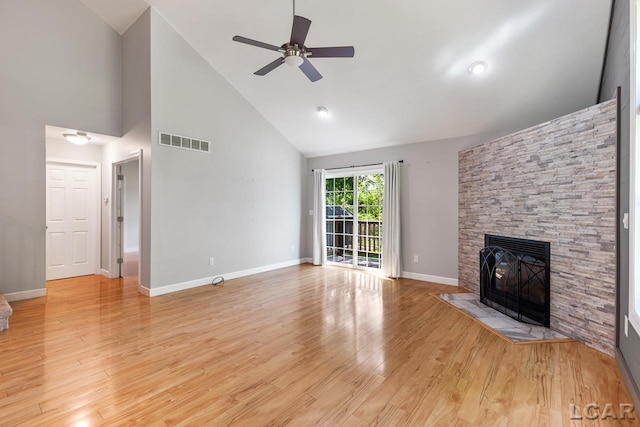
x=554, y=182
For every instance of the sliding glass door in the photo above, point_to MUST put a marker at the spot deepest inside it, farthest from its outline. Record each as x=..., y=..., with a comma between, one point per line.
x=354, y=218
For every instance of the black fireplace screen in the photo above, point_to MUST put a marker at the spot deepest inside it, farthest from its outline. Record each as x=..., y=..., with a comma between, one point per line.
x=514, y=278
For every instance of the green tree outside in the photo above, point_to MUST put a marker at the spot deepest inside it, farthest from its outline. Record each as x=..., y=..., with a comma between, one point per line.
x=370, y=190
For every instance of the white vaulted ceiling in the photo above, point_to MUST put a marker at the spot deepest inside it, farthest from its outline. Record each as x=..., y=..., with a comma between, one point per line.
x=409, y=79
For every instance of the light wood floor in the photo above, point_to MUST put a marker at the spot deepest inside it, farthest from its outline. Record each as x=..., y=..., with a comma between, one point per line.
x=299, y=346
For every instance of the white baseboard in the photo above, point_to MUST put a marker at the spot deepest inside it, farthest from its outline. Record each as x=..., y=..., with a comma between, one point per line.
x=153, y=292
x=429, y=278
x=18, y=296
x=306, y=260
x=107, y=274
x=258, y=270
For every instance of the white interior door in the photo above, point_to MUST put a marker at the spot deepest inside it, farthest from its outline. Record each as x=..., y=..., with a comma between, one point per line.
x=72, y=229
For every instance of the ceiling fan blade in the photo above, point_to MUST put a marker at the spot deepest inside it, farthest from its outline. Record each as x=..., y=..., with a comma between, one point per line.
x=310, y=71
x=255, y=43
x=331, y=52
x=269, y=67
x=299, y=31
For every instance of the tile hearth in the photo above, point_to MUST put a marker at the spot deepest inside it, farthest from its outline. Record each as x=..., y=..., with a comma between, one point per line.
x=509, y=328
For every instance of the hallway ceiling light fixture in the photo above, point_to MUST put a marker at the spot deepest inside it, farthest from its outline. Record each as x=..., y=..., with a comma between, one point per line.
x=478, y=67
x=78, y=138
x=323, y=112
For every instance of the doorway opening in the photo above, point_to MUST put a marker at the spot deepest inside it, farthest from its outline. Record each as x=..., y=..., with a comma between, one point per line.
x=354, y=218
x=127, y=207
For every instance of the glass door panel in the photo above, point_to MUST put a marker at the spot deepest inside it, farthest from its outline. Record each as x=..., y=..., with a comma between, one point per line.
x=370, y=196
x=354, y=220
x=339, y=216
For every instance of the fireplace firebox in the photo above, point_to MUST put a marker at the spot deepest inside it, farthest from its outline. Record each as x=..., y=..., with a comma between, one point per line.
x=514, y=278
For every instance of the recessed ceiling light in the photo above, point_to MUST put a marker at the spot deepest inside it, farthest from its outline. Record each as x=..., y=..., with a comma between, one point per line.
x=478, y=67
x=323, y=112
x=78, y=138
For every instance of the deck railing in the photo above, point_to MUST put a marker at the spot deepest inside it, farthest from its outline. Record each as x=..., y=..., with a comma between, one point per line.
x=340, y=235
x=369, y=236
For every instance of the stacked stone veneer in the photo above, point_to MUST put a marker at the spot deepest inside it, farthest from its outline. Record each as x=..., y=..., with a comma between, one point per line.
x=554, y=182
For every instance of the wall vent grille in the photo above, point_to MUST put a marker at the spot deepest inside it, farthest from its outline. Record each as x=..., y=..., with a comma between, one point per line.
x=186, y=143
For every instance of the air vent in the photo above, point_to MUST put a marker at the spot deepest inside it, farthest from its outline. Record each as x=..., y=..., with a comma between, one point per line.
x=177, y=141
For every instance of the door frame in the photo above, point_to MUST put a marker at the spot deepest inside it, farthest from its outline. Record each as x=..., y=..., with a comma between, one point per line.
x=97, y=197
x=113, y=223
x=354, y=172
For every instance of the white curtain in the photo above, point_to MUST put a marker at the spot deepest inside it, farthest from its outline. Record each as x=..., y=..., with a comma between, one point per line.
x=391, y=221
x=319, y=223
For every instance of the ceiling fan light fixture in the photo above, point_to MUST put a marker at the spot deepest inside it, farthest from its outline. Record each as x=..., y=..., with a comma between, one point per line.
x=323, y=112
x=478, y=67
x=293, y=57
x=78, y=138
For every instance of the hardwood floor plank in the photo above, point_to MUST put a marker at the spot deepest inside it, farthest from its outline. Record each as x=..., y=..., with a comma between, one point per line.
x=362, y=389
x=277, y=410
x=19, y=412
x=354, y=421
x=298, y=346
x=390, y=416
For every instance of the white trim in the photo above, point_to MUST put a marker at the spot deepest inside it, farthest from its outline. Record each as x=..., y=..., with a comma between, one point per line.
x=146, y=291
x=105, y=273
x=306, y=261
x=71, y=162
x=153, y=292
x=98, y=193
x=429, y=278
x=19, y=296
x=131, y=250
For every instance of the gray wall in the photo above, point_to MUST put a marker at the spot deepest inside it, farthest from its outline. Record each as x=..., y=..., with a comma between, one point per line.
x=136, y=135
x=429, y=199
x=239, y=204
x=60, y=65
x=63, y=149
x=617, y=73
x=131, y=206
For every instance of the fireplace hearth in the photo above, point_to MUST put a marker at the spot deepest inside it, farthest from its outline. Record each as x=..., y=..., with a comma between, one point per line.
x=514, y=278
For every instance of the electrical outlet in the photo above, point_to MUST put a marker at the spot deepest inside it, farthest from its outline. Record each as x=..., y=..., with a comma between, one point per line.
x=293, y=248
x=415, y=258
x=626, y=326
x=210, y=261
x=311, y=212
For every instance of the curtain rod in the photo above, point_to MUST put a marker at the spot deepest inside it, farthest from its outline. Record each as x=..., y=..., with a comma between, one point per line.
x=358, y=166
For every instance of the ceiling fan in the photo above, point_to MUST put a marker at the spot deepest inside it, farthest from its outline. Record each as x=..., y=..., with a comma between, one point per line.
x=295, y=53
